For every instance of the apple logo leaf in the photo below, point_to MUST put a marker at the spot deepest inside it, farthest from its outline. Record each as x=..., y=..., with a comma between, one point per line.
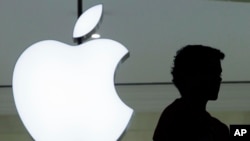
x=88, y=22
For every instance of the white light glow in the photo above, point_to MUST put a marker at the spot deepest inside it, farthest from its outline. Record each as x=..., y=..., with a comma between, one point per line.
x=95, y=36
x=67, y=93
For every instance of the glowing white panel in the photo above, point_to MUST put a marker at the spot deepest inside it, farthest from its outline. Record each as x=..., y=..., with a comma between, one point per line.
x=67, y=93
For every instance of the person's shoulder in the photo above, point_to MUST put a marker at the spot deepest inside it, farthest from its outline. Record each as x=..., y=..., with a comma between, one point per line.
x=220, y=129
x=173, y=114
x=171, y=123
x=219, y=125
x=217, y=121
x=172, y=108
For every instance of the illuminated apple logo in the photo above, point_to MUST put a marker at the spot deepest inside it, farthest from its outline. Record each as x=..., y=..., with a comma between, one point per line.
x=67, y=93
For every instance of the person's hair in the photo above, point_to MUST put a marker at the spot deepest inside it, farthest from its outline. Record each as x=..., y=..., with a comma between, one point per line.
x=191, y=59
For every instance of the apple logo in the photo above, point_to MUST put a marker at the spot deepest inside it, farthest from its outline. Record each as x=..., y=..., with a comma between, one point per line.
x=67, y=93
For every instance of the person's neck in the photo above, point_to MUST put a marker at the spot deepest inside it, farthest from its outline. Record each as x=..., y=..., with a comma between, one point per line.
x=196, y=104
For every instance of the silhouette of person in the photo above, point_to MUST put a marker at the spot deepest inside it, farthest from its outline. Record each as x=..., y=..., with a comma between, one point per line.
x=197, y=76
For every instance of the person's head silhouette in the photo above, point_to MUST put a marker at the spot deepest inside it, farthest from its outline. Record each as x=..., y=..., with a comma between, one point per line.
x=197, y=72
x=197, y=75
